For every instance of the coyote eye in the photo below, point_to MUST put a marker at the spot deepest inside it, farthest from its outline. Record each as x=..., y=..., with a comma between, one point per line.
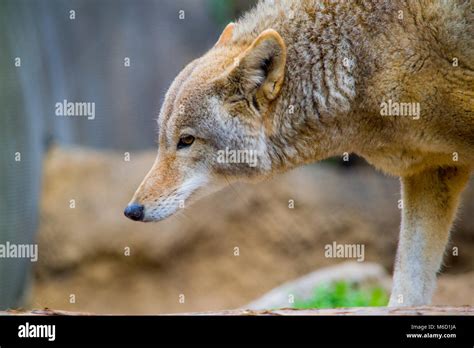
x=185, y=141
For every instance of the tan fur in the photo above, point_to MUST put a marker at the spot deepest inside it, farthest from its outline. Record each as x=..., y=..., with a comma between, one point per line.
x=300, y=81
x=430, y=201
x=226, y=35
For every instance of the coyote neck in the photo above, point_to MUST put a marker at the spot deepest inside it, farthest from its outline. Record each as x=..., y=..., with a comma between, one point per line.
x=310, y=119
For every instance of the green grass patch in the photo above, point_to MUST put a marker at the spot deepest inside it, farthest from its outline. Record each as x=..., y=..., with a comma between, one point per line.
x=343, y=294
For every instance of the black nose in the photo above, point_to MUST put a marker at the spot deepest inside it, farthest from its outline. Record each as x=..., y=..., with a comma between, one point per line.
x=134, y=212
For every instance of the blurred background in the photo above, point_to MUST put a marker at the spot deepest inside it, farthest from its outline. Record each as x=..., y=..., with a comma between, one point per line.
x=227, y=250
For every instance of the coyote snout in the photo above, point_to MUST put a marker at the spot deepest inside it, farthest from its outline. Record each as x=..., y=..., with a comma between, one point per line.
x=170, y=184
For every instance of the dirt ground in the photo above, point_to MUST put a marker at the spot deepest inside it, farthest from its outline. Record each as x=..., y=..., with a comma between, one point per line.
x=224, y=251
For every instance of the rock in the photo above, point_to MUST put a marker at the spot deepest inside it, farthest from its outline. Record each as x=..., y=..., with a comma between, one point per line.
x=303, y=288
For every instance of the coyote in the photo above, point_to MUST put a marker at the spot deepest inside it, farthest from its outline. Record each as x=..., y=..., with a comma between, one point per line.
x=296, y=82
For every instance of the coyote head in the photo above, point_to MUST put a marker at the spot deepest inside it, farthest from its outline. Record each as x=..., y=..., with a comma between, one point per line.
x=213, y=124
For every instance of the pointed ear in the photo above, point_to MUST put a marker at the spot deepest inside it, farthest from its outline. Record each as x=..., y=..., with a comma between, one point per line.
x=261, y=67
x=226, y=34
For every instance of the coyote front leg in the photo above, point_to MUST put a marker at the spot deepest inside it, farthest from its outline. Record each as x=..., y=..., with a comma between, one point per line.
x=430, y=201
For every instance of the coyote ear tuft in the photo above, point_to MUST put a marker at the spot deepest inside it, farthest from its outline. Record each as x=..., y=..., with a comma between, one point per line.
x=226, y=34
x=261, y=67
